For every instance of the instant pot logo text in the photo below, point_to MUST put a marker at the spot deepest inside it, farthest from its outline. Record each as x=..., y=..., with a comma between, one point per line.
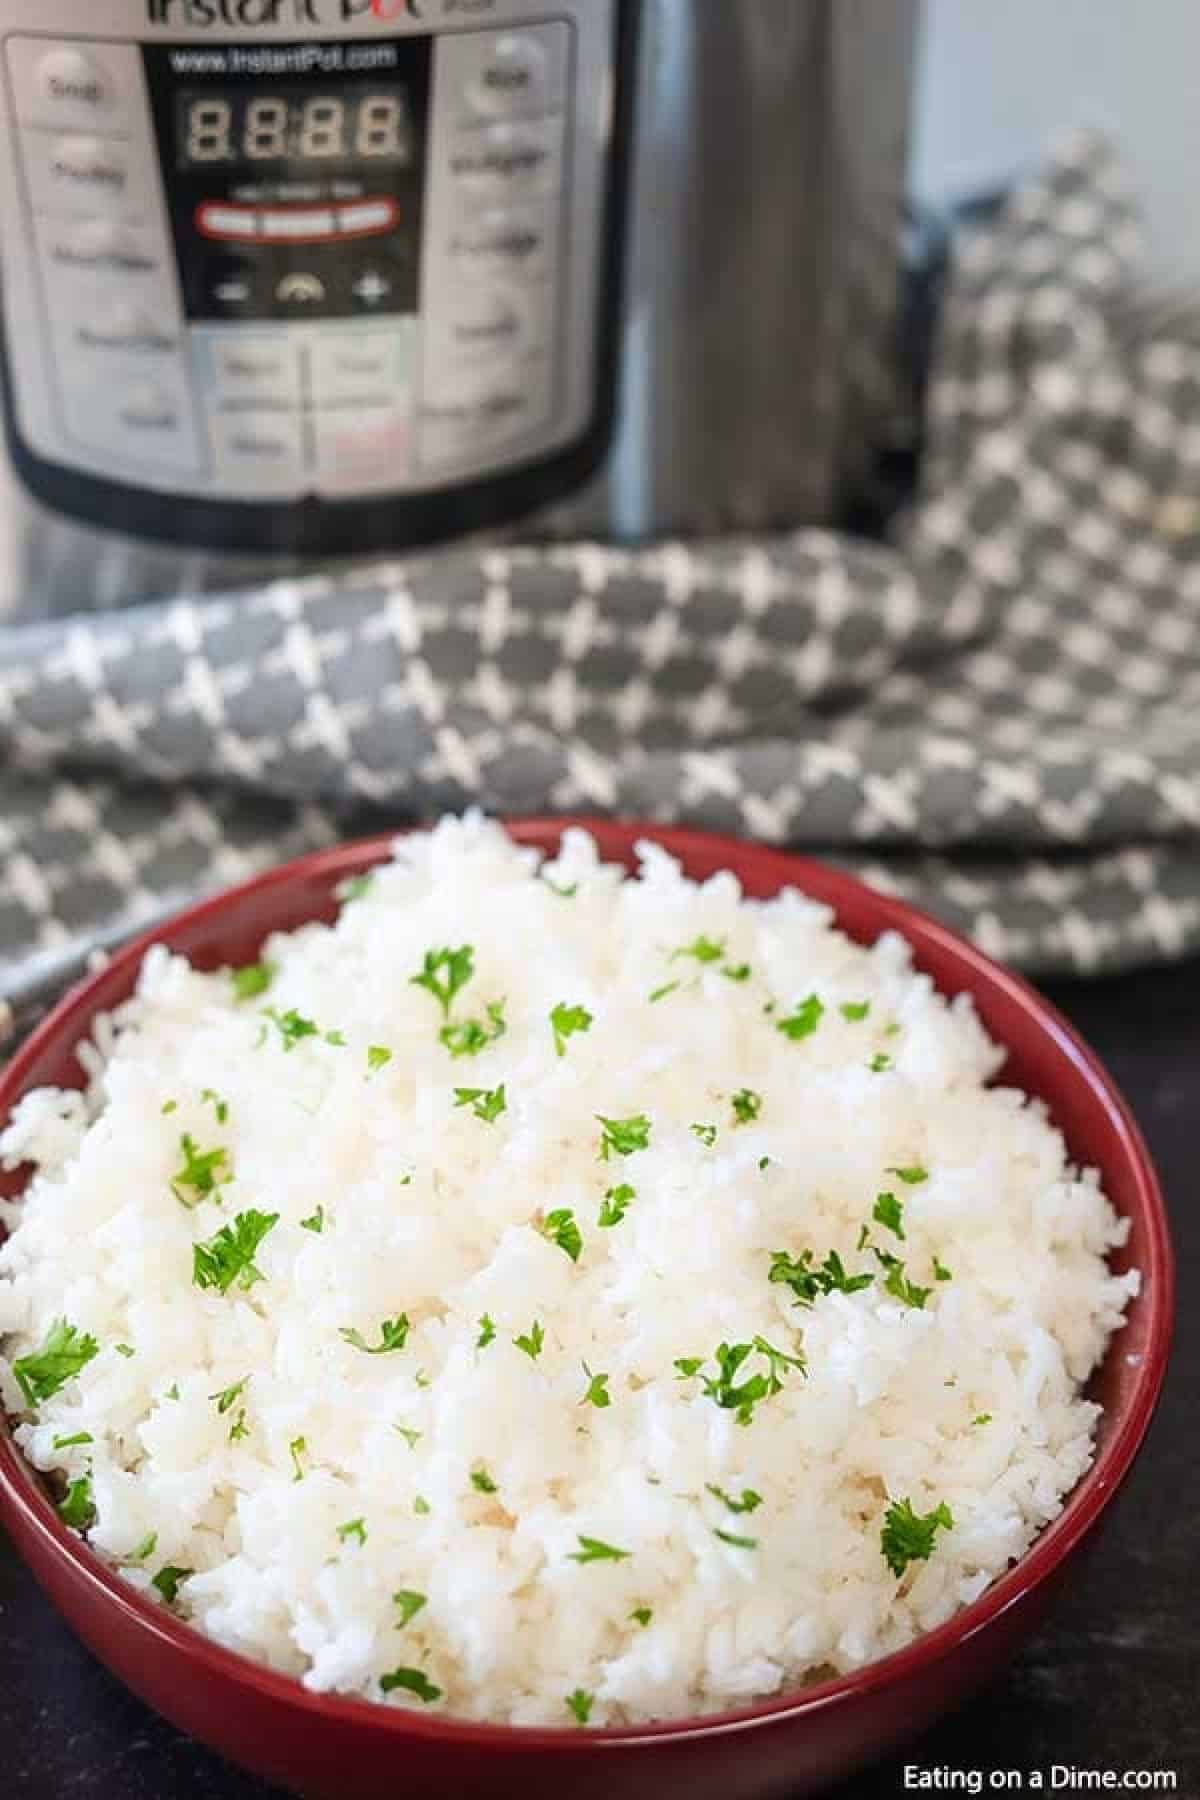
x=284, y=13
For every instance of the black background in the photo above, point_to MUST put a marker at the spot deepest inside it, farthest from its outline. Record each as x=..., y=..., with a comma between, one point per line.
x=1111, y=1683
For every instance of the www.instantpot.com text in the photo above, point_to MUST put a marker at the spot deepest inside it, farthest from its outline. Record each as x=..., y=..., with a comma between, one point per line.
x=286, y=59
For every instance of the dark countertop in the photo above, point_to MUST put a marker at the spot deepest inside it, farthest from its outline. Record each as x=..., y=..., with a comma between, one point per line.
x=1111, y=1683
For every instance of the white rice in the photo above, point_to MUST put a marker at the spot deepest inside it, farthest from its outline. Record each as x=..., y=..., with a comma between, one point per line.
x=430, y=1211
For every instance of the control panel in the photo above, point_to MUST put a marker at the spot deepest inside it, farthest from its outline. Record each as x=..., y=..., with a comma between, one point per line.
x=320, y=267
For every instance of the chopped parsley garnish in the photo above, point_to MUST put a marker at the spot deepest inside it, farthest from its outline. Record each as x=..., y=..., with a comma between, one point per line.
x=64, y=1352
x=291, y=1026
x=736, y=971
x=202, y=1172
x=296, y=1449
x=69, y=1443
x=412, y=1438
x=444, y=973
x=470, y=1036
x=168, y=1580
x=354, y=887
x=228, y=1257
x=421, y=1506
x=746, y=1106
x=808, y=1283
x=565, y=1021
x=336, y=1037
x=239, y=1428
x=855, y=1010
x=409, y=1603
x=229, y=1397
x=688, y=1366
x=621, y=1137
x=741, y=1397
x=579, y=1704
x=220, y=1107
x=412, y=1681
x=76, y=1508
x=421, y=1379
x=940, y=1271
x=897, y=1283
x=486, y=1103
x=764, y=1162
x=597, y=1390
x=982, y=1419
x=731, y=1537
x=353, y=1528
x=642, y=1615
x=702, y=949
x=911, y=1177
x=252, y=979
x=315, y=1222
x=482, y=1482
x=567, y=891
x=125, y=1350
x=889, y=1212
x=393, y=1335
x=559, y=1228
x=378, y=1057
x=803, y=1021
x=907, y=1536
x=748, y=1503
x=487, y=1331
x=531, y=1341
x=147, y=1547
x=169, y=1106
x=615, y=1204
x=707, y=1134
x=596, y=1550
x=880, y=1063
x=173, y=1391
x=660, y=993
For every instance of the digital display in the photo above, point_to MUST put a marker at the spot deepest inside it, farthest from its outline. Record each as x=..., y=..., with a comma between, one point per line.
x=310, y=127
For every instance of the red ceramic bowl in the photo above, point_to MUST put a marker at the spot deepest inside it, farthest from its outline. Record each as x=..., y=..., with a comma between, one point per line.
x=796, y=1745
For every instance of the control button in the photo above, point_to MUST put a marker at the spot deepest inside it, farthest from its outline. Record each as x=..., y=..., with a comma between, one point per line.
x=83, y=174
x=124, y=327
x=364, y=451
x=125, y=416
x=366, y=217
x=508, y=160
x=502, y=243
x=253, y=371
x=301, y=224
x=361, y=368
x=371, y=289
x=215, y=221
x=483, y=327
x=466, y=421
x=301, y=289
x=98, y=247
x=511, y=77
x=147, y=407
x=71, y=78
x=88, y=165
x=265, y=451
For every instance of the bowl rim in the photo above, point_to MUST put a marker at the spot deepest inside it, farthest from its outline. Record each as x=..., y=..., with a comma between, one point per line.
x=20, y=1493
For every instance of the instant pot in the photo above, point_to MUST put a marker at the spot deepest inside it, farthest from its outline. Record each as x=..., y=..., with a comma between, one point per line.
x=297, y=279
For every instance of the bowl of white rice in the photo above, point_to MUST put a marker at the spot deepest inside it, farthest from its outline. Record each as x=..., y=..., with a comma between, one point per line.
x=526, y=1309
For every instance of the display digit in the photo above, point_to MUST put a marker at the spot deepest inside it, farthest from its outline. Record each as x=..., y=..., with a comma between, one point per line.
x=381, y=126
x=322, y=128
x=266, y=132
x=209, y=136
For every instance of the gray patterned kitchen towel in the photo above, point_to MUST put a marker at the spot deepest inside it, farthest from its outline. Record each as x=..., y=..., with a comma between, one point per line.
x=997, y=715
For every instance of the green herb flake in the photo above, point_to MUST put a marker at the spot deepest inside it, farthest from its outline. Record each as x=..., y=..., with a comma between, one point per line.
x=565, y=1021
x=169, y=1106
x=296, y=1449
x=487, y=1331
x=907, y=1536
x=731, y=1537
x=736, y=971
x=409, y=1603
x=579, y=1705
x=69, y=1443
x=353, y=1528
x=292, y=1026
x=531, y=1341
x=615, y=1205
x=642, y=1615
x=764, y=1162
x=596, y=1550
x=803, y=1021
x=597, y=1390
x=707, y=1134
x=421, y=1506
x=747, y=1105
x=412, y=1438
x=76, y=1508
x=64, y=1352
x=940, y=1271
x=315, y=1222
x=229, y=1397
x=202, y=1171
x=220, y=1107
x=421, y=1379
x=749, y=1502
x=411, y=1681
x=125, y=1350
x=855, y=1011
x=912, y=1176
x=252, y=980
x=660, y=993
x=228, y=1257
x=897, y=1283
x=559, y=1228
x=809, y=1283
x=688, y=1366
x=880, y=1063
x=622, y=1137
x=172, y=1392
x=378, y=1057
x=982, y=1419
x=702, y=949
x=168, y=1581
x=486, y=1103
x=470, y=1036
x=741, y=1397
x=239, y=1428
x=147, y=1547
x=889, y=1212
x=444, y=974
x=482, y=1482
x=393, y=1335
x=567, y=891
x=337, y=1038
